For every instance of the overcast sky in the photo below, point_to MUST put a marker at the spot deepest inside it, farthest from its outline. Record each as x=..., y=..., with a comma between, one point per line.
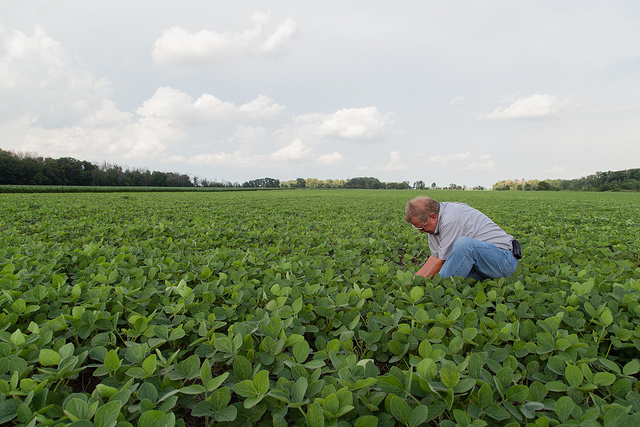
x=464, y=92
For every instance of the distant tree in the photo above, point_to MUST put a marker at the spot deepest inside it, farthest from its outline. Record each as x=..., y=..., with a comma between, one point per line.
x=158, y=179
x=10, y=169
x=363, y=182
x=301, y=183
x=544, y=186
x=419, y=185
x=433, y=185
x=262, y=183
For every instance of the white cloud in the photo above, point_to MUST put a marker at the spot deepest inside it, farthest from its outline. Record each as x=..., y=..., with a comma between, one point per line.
x=209, y=159
x=348, y=123
x=465, y=161
x=456, y=99
x=535, y=106
x=179, y=107
x=488, y=165
x=149, y=137
x=354, y=123
x=179, y=47
x=291, y=154
x=447, y=158
x=260, y=108
x=38, y=76
x=107, y=133
x=280, y=40
x=295, y=151
x=334, y=158
x=394, y=162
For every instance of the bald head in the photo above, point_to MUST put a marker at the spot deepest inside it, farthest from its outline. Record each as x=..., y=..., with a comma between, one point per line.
x=420, y=208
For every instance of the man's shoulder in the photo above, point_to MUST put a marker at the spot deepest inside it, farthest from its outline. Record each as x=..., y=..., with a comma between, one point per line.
x=454, y=207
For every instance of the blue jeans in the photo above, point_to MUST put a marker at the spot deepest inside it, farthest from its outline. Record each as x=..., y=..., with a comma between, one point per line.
x=479, y=260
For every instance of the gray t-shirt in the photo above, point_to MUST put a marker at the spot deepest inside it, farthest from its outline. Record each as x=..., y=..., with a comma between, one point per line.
x=457, y=220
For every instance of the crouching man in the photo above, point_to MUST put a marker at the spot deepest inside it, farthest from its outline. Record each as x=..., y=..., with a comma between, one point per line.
x=463, y=241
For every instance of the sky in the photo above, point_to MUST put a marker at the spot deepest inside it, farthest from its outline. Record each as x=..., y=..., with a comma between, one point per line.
x=451, y=92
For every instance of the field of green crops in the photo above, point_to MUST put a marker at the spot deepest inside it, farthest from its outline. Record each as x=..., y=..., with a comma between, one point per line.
x=300, y=308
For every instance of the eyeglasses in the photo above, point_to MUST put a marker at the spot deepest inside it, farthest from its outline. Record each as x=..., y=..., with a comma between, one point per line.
x=421, y=228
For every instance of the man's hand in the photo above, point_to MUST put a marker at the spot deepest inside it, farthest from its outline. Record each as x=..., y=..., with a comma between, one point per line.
x=431, y=267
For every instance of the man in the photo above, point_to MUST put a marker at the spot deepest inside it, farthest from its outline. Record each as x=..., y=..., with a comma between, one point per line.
x=463, y=241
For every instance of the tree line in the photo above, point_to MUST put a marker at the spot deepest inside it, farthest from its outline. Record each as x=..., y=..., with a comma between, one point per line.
x=21, y=169
x=623, y=180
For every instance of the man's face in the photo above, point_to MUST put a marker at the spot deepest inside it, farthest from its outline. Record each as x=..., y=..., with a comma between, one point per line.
x=429, y=225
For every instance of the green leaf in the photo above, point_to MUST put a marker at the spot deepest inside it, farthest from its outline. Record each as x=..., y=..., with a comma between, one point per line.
x=148, y=391
x=112, y=361
x=546, y=344
x=367, y=382
x=296, y=306
x=278, y=421
x=136, y=372
x=242, y=368
x=485, y=396
x=149, y=365
x=299, y=389
x=226, y=414
x=563, y=408
x=464, y=385
x=17, y=338
x=416, y=293
x=77, y=409
x=205, y=371
x=631, y=368
x=245, y=389
x=616, y=417
x=155, y=418
x=315, y=416
x=604, y=378
x=224, y=345
x=606, y=317
x=517, y=393
x=216, y=382
x=49, y=357
x=9, y=409
x=419, y=414
x=367, y=421
x=390, y=384
x=331, y=405
x=191, y=367
x=301, y=351
x=449, y=375
x=24, y=413
x=261, y=382
x=193, y=389
x=497, y=412
x=400, y=409
x=557, y=386
x=574, y=375
x=107, y=414
x=220, y=398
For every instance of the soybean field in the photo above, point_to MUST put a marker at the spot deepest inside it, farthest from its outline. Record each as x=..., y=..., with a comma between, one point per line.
x=299, y=308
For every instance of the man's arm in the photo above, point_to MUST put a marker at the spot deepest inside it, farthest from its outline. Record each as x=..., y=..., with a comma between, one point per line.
x=431, y=267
